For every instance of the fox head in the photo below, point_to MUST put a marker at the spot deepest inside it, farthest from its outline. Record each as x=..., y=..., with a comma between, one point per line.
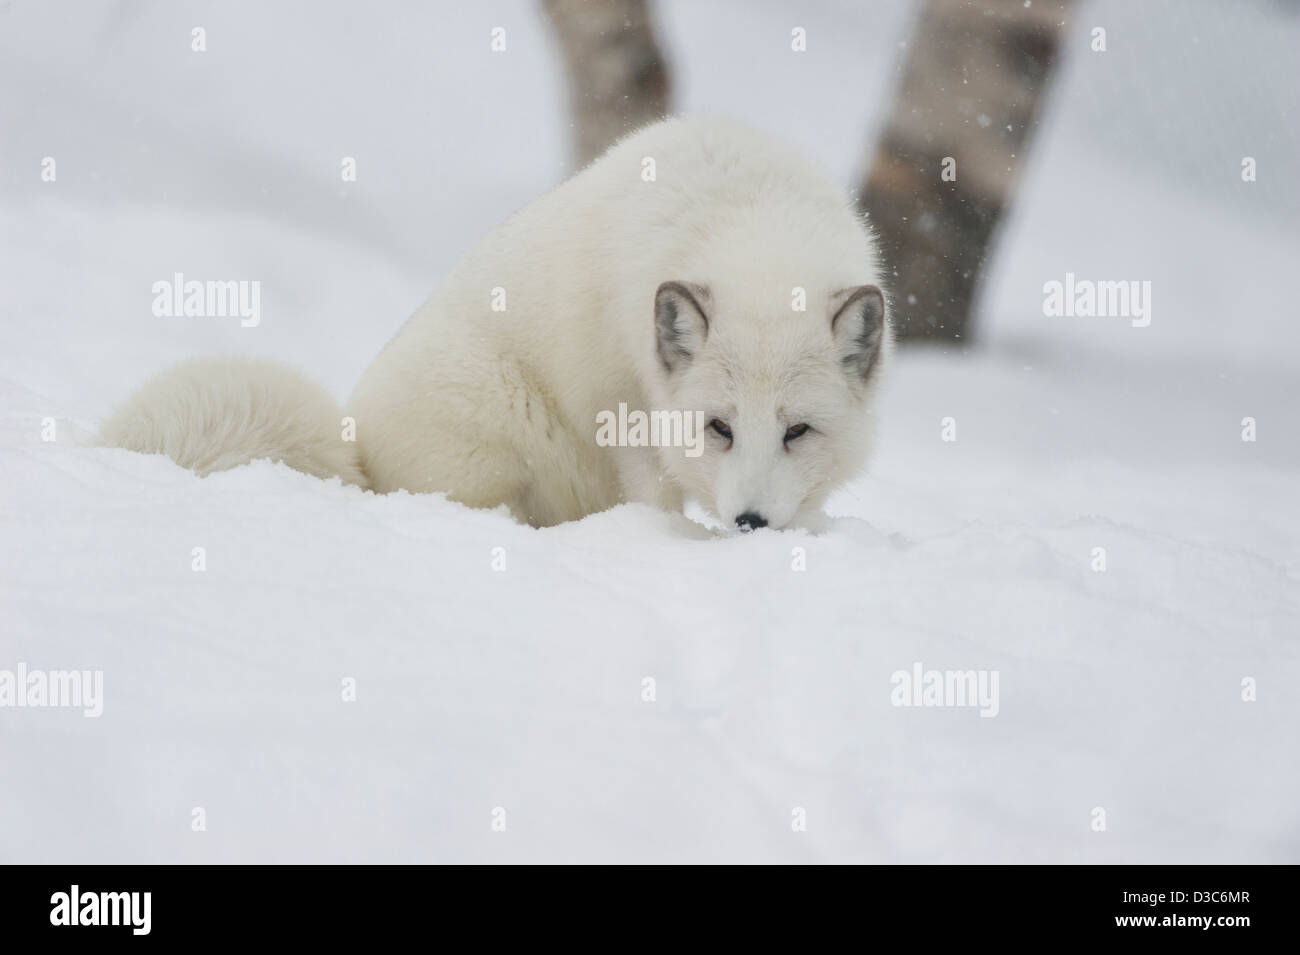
x=784, y=394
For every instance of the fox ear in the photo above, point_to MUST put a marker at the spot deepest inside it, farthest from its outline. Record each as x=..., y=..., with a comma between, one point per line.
x=681, y=323
x=859, y=327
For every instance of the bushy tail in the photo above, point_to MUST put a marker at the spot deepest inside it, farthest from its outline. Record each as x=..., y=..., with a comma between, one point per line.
x=210, y=414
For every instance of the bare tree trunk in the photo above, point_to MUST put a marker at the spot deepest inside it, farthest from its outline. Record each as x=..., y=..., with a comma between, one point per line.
x=971, y=89
x=617, y=78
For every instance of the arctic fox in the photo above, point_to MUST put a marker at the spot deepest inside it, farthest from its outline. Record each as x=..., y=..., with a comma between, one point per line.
x=698, y=267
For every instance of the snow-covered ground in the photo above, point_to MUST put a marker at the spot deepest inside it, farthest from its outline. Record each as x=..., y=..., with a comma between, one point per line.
x=522, y=688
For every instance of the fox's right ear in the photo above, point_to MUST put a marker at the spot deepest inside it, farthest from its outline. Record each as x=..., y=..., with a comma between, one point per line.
x=859, y=327
x=681, y=323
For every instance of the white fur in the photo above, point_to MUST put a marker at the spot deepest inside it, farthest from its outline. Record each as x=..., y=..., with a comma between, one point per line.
x=498, y=407
x=210, y=414
x=501, y=406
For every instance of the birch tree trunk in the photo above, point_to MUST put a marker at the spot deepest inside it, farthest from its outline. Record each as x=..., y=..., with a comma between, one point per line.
x=617, y=77
x=970, y=92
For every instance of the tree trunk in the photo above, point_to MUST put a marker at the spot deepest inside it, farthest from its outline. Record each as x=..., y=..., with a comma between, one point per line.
x=617, y=78
x=971, y=89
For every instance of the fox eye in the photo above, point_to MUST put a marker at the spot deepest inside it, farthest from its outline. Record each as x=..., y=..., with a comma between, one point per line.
x=721, y=427
x=795, y=431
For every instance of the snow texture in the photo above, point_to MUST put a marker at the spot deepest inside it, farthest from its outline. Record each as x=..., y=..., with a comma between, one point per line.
x=523, y=689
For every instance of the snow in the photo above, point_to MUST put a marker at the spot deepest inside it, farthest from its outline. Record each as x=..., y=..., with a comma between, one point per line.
x=522, y=688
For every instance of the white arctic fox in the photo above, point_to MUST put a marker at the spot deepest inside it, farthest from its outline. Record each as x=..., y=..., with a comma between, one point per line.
x=698, y=268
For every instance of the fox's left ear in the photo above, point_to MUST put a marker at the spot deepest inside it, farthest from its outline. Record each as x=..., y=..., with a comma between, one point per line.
x=859, y=327
x=681, y=323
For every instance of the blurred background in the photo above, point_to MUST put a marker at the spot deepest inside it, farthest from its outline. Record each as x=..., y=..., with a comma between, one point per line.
x=1122, y=163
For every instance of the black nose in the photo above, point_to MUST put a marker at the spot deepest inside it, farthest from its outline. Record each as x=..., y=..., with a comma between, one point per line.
x=750, y=521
